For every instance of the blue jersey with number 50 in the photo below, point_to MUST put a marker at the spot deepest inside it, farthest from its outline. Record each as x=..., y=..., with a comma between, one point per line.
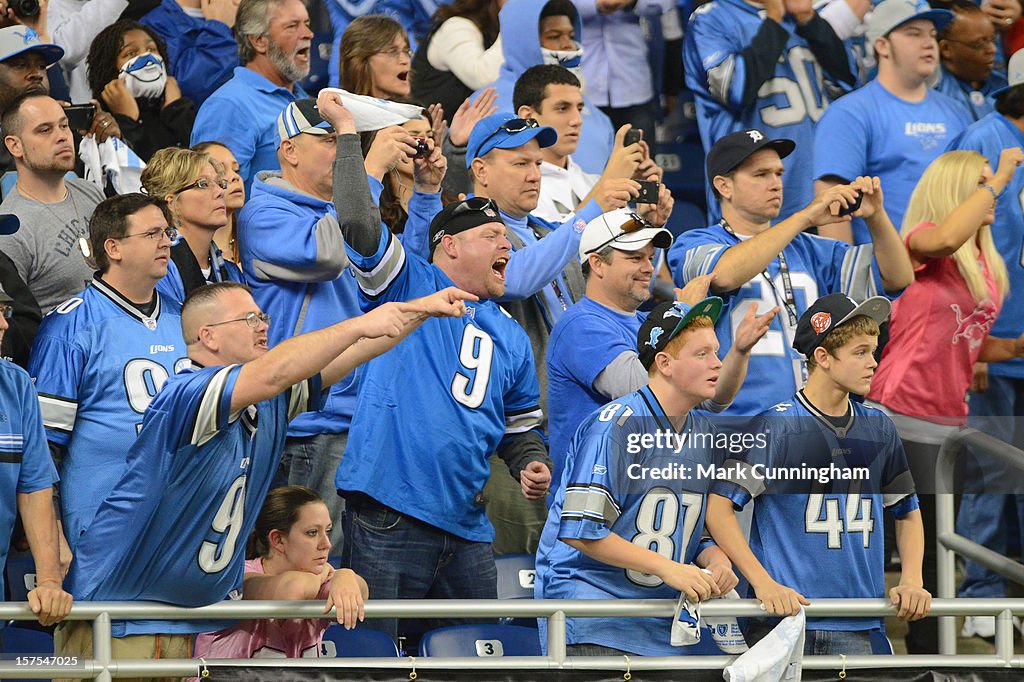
x=431, y=410
x=97, y=362
x=608, y=488
x=817, y=266
x=788, y=104
x=174, y=527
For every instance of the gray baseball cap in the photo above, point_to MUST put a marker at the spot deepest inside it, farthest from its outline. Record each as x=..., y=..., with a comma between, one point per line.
x=1014, y=73
x=17, y=39
x=892, y=14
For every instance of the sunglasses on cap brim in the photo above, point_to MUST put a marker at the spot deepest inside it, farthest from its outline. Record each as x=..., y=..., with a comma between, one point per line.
x=634, y=224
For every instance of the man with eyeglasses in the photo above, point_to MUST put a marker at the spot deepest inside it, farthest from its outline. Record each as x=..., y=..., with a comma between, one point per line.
x=430, y=413
x=967, y=47
x=27, y=477
x=54, y=211
x=101, y=356
x=894, y=126
x=206, y=455
x=274, y=40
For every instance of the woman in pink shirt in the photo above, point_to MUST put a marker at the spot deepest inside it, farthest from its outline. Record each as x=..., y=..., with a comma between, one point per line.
x=940, y=324
x=288, y=561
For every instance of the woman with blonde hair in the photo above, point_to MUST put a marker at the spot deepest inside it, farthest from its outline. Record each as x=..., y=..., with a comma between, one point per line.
x=227, y=237
x=940, y=324
x=195, y=192
x=375, y=58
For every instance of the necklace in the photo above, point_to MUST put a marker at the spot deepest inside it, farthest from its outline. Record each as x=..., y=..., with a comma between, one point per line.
x=83, y=236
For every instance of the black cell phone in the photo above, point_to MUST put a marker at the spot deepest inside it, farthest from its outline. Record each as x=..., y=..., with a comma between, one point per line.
x=852, y=208
x=80, y=116
x=649, y=190
x=632, y=136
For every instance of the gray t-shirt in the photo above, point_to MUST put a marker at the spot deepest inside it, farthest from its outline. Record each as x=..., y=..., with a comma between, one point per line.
x=45, y=249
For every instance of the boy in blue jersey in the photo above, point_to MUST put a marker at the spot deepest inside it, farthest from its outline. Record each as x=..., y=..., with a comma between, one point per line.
x=995, y=404
x=773, y=67
x=100, y=357
x=615, y=531
x=173, y=529
x=822, y=536
x=417, y=457
x=894, y=126
x=27, y=476
x=764, y=265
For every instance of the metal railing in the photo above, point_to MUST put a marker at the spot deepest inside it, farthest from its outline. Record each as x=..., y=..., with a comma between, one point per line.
x=102, y=667
x=949, y=543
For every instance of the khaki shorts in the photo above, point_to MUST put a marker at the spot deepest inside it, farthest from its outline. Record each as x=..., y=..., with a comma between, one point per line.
x=74, y=638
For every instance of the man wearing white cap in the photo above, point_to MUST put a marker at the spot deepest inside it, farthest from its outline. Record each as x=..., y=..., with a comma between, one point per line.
x=617, y=257
x=993, y=405
x=894, y=126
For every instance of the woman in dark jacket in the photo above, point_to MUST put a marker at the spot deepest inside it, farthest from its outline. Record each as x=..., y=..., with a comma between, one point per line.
x=128, y=72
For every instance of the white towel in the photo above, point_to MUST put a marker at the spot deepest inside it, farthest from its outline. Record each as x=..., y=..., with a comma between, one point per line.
x=111, y=161
x=371, y=113
x=687, y=626
x=777, y=657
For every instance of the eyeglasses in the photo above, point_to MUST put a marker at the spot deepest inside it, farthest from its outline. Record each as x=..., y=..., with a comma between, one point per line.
x=976, y=45
x=511, y=126
x=634, y=224
x=6, y=311
x=252, y=320
x=155, y=234
x=396, y=52
x=204, y=183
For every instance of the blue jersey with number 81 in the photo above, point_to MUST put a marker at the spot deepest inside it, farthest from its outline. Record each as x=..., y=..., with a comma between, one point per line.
x=613, y=483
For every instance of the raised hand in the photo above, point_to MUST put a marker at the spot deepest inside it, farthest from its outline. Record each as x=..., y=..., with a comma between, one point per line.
x=334, y=112
x=752, y=328
x=428, y=172
x=468, y=115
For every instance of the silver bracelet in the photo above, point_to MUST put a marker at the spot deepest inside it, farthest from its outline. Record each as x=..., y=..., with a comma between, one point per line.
x=990, y=188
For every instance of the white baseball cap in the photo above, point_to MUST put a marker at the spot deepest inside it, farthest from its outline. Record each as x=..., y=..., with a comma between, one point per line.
x=1014, y=73
x=621, y=229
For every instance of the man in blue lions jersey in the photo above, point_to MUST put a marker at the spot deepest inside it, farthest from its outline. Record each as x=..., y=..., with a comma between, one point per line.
x=756, y=263
x=174, y=527
x=993, y=407
x=766, y=67
x=806, y=522
x=619, y=528
x=100, y=357
x=417, y=457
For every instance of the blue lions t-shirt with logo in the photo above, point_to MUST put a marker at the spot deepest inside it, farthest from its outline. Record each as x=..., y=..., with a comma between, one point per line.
x=873, y=132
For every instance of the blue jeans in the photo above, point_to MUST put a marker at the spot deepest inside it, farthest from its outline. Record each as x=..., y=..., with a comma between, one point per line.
x=982, y=515
x=403, y=558
x=818, y=642
x=312, y=461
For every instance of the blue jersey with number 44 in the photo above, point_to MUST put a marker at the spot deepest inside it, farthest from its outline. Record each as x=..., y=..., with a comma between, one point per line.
x=608, y=488
x=431, y=410
x=175, y=526
x=824, y=540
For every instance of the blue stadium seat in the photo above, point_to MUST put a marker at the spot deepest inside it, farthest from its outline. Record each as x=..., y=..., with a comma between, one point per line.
x=686, y=216
x=20, y=576
x=362, y=642
x=19, y=641
x=334, y=561
x=515, y=575
x=7, y=182
x=480, y=640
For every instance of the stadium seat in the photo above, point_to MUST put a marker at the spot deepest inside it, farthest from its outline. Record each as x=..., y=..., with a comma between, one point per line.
x=362, y=642
x=20, y=576
x=7, y=182
x=480, y=640
x=19, y=641
x=515, y=575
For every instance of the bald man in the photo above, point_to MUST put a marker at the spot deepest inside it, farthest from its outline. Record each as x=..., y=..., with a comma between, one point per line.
x=209, y=445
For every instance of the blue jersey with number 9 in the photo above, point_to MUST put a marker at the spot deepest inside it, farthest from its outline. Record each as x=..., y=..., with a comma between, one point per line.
x=174, y=527
x=431, y=410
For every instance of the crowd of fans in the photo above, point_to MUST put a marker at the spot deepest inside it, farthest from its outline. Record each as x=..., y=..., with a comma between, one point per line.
x=254, y=316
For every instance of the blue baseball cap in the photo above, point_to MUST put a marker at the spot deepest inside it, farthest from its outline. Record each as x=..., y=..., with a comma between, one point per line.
x=506, y=131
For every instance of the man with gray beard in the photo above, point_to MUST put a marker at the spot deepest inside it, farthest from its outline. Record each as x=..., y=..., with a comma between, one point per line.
x=274, y=41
